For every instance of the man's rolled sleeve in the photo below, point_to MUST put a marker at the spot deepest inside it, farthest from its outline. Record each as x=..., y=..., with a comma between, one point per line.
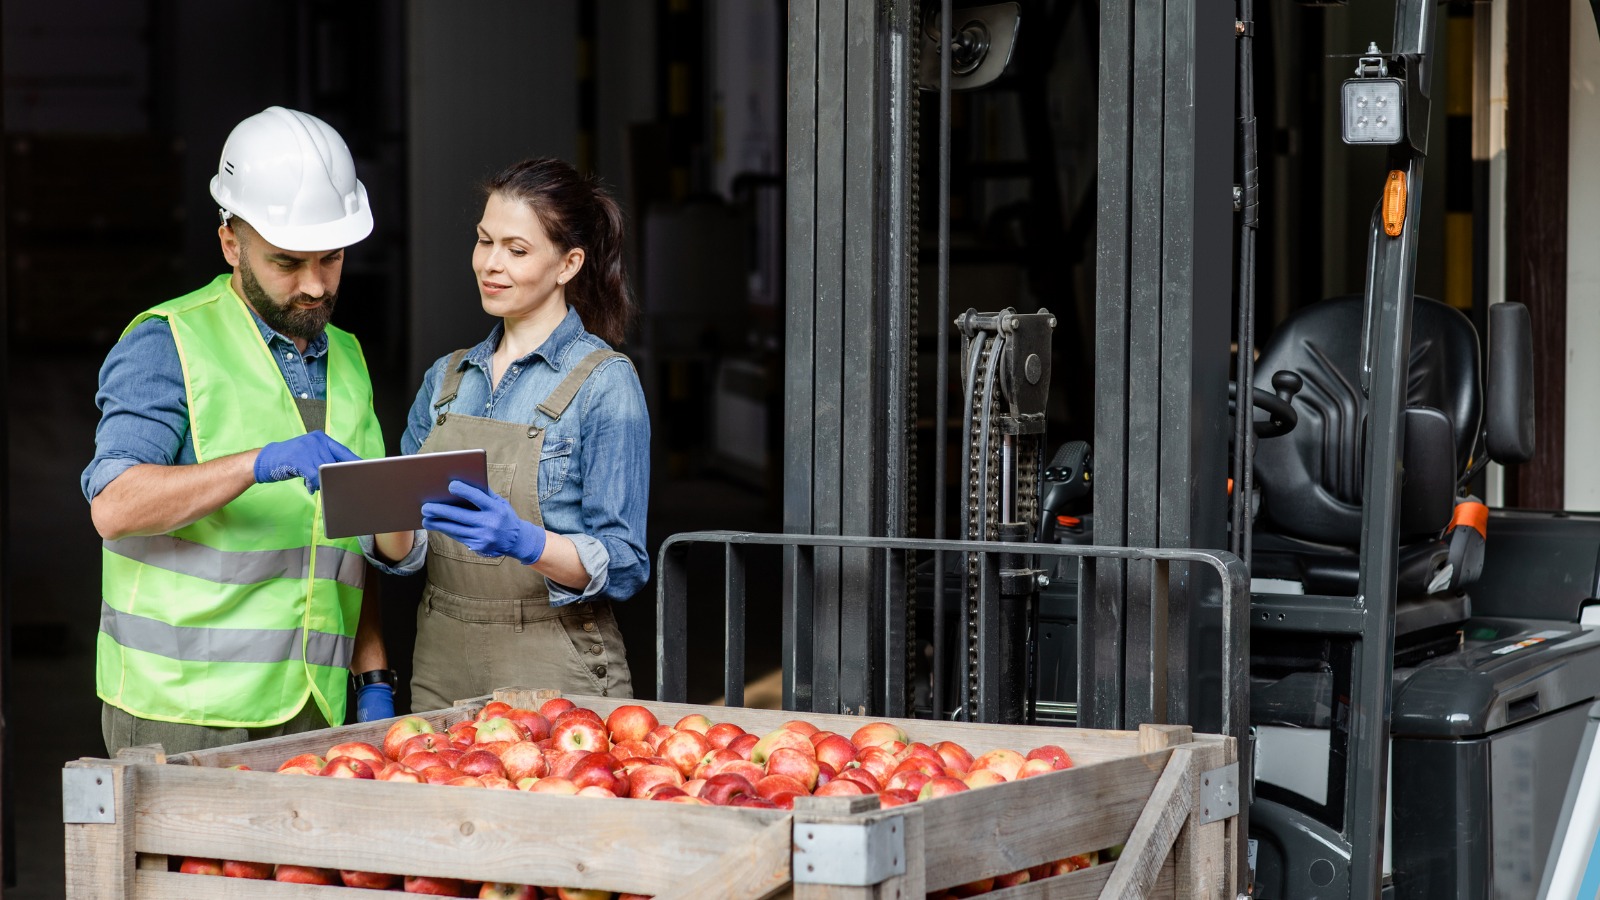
x=144, y=411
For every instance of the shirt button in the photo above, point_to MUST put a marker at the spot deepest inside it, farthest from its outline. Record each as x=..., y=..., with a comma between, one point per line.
x=304, y=396
x=288, y=355
x=597, y=649
x=589, y=627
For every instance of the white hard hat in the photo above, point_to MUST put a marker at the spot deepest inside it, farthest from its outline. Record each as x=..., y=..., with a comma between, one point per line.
x=290, y=175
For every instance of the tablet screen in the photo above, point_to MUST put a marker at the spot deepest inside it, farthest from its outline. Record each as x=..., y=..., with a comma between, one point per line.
x=373, y=496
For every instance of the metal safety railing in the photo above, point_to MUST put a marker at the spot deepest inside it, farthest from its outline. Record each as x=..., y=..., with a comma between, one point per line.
x=805, y=606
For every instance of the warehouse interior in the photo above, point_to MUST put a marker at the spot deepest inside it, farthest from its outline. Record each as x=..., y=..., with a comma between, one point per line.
x=114, y=113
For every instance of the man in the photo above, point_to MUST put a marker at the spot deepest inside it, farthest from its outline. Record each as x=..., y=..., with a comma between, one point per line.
x=226, y=615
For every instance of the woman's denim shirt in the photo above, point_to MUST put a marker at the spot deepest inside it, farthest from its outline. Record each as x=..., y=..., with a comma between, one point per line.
x=594, y=471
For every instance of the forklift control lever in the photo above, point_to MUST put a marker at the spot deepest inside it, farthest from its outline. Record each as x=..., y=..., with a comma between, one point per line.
x=1279, y=407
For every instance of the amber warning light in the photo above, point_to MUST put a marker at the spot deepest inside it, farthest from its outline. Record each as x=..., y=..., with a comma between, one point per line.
x=1394, y=203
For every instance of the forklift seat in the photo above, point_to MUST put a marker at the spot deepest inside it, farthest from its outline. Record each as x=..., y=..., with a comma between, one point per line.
x=1309, y=524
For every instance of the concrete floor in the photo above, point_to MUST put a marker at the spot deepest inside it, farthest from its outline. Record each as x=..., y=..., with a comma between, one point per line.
x=52, y=555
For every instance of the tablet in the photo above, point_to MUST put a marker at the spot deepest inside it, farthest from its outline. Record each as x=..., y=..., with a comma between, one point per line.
x=373, y=496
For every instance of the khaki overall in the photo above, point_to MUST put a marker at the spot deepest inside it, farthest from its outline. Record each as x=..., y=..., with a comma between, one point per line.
x=486, y=623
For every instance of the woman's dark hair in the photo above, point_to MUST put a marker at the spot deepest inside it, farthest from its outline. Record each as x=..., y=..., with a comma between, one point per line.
x=576, y=212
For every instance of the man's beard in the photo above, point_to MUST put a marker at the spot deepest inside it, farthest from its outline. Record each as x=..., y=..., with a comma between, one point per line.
x=286, y=319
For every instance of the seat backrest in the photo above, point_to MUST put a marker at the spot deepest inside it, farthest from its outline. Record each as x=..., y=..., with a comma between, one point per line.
x=1311, y=478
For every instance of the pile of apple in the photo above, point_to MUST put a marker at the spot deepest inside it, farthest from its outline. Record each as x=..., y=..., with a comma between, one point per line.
x=562, y=748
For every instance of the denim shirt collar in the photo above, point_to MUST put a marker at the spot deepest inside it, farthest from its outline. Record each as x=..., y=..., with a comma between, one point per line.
x=315, y=348
x=553, y=351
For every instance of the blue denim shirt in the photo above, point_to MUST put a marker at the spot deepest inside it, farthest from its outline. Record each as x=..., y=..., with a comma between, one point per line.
x=594, y=473
x=144, y=409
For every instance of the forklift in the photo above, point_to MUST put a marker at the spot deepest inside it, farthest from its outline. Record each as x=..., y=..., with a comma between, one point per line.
x=1412, y=723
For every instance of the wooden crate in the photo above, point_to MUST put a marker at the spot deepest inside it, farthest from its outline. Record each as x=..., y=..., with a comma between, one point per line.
x=1140, y=789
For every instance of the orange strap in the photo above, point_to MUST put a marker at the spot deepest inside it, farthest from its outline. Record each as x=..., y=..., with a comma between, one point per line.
x=1473, y=514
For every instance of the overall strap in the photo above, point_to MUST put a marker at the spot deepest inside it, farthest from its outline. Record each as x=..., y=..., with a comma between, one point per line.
x=560, y=398
x=452, y=379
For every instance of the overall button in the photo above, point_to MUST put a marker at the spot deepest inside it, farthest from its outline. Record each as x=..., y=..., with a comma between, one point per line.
x=533, y=432
x=600, y=671
x=597, y=649
x=589, y=627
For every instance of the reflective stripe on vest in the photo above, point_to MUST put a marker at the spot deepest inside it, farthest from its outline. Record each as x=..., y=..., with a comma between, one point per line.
x=240, y=566
x=245, y=645
x=236, y=619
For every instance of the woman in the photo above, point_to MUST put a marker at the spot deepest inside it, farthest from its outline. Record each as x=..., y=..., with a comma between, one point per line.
x=521, y=577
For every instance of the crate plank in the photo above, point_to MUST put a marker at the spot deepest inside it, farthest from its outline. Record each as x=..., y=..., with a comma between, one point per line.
x=1008, y=827
x=1157, y=829
x=1084, y=884
x=751, y=871
x=1205, y=864
x=100, y=857
x=419, y=829
x=167, y=885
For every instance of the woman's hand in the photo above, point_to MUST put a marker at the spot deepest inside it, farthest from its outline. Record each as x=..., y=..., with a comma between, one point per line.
x=490, y=527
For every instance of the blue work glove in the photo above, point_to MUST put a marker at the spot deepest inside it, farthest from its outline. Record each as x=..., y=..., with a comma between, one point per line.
x=374, y=701
x=490, y=527
x=299, y=458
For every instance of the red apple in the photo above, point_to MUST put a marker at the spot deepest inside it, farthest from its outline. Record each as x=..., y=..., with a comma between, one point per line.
x=919, y=750
x=495, y=890
x=800, y=725
x=630, y=723
x=694, y=722
x=911, y=780
x=359, y=750
x=644, y=779
x=595, y=790
x=437, y=887
x=785, y=799
x=598, y=769
x=555, y=707
x=629, y=749
x=1056, y=756
x=567, y=893
x=789, y=761
x=954, y=755
x=523, y=759
x=563, y=761
x=719, y=789
x=775, y=784
x=1012, y=879
x=779, y=739
x=404, y=730
x=579, y=733
x=463, y=734
x=238, y=868
x=438, y=774
x=752, y=801
x=692, y=786
x=372, y=881
x=942, y=786
x=1004, y=762
x=536, y=725
x=482, y=762
x=684, y=750
x=497, y=782
x=888, y=799
x=918, y=764
x=880, y=762
x=835, y=750
x=876, y=734
x=983, y=778
x=306, y=875
x=686, y=799
x=862, y=777
x=752, y=772
x=665, y=792
x=398, y=772
x=1034, y=767
x=721, y=733
x=427, y=742
x=493, y=710
x=304, y=764
x=657, y=735
x=712, y=762
x=744, y=744
x=345, y=767
x=199, y=865
x=466, y=781
x=578, y=712
x=840, y=788
x=422, y=759
x=451, y=755
x=553, y=784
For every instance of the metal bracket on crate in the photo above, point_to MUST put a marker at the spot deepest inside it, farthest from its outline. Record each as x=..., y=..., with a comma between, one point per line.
x=87, y=797
x=855, y=855
x=1219, y=794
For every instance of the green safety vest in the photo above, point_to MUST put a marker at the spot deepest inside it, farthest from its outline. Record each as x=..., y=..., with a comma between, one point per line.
x=235, y=619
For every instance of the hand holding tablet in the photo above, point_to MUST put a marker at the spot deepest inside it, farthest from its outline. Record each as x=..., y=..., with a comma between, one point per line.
x=375, y=496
